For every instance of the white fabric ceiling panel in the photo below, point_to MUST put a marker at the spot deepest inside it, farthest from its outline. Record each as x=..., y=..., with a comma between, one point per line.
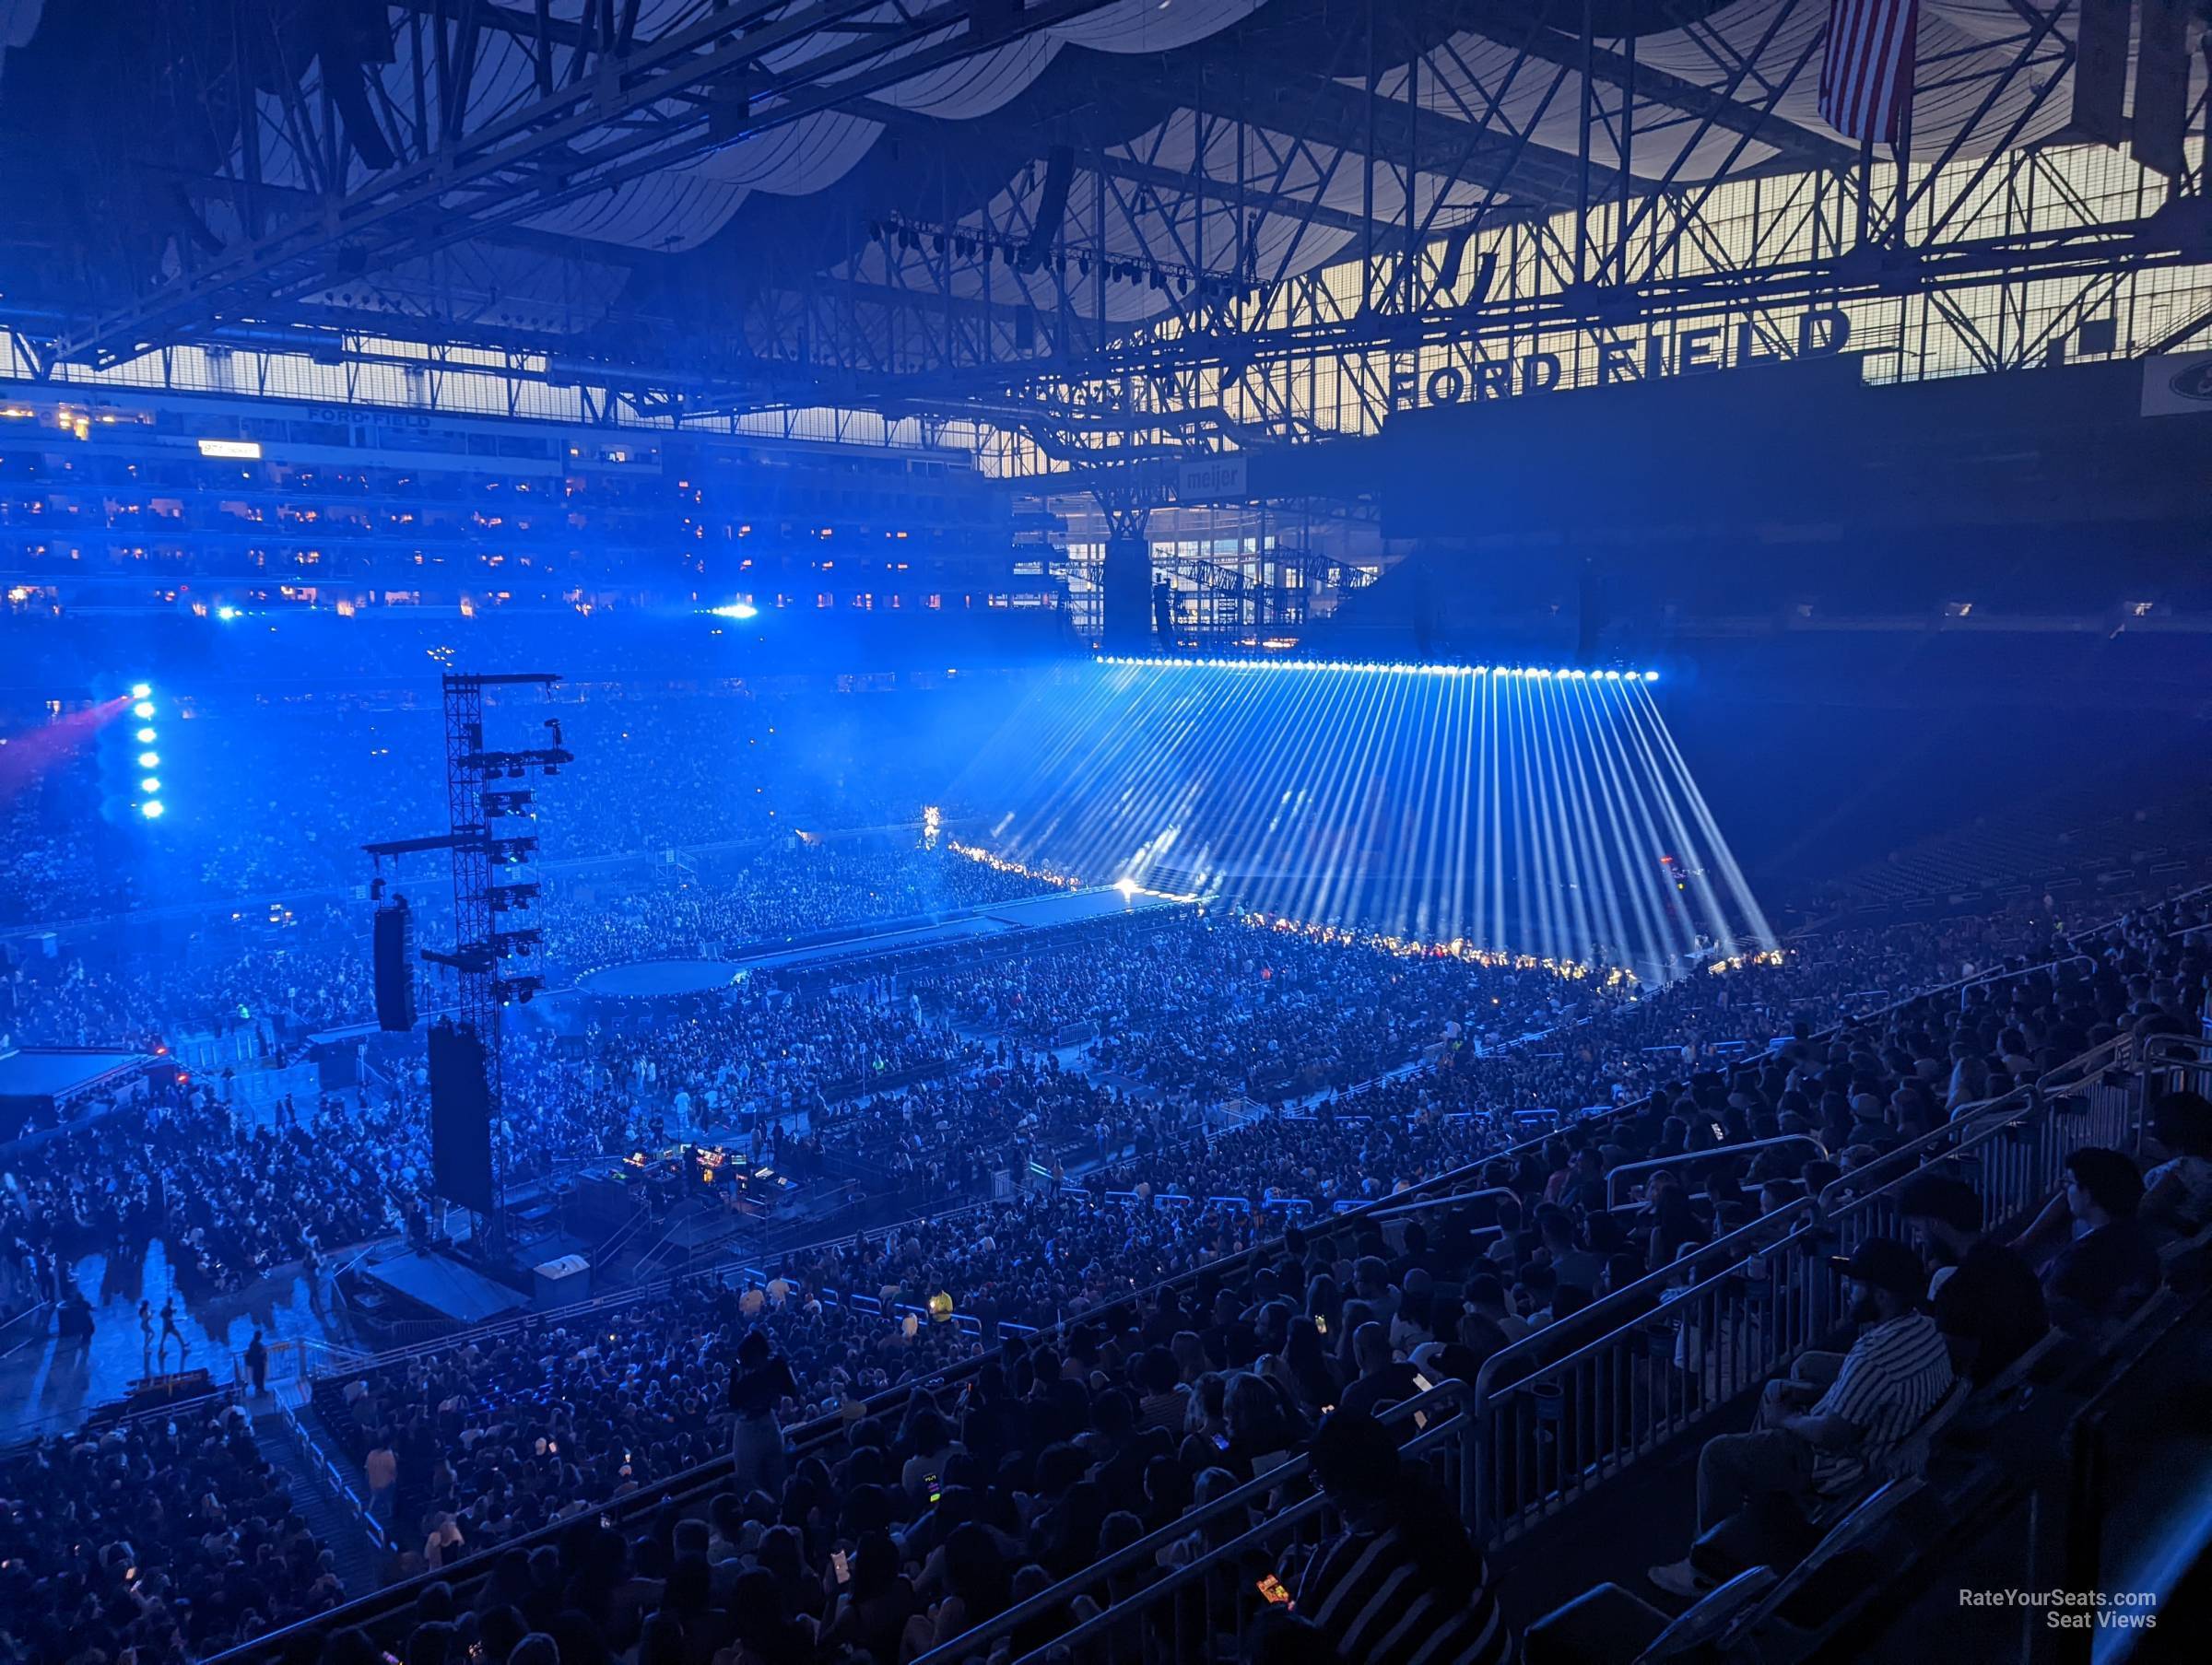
x=1961, y=56
x=1184, y=231
x=975, y=87
x=809, y=154
x=1488, y=84
x=1983, y=19
x=674, y=210
x=1142, y=26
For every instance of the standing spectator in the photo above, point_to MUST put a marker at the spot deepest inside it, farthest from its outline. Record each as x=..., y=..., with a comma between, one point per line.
x=382, y=1469
x=758, y=1388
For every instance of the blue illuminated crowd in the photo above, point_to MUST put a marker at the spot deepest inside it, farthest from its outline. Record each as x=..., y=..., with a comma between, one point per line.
x=1083, y=1127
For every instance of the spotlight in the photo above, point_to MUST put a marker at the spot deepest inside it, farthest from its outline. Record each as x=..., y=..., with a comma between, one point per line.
x=150, y=785
x=151, y=809
x=1650, y=677
x=139, y=690
x=145, y=736
x=144, y=707
x=226, y=614
x=150, y=759
x=1126, y=887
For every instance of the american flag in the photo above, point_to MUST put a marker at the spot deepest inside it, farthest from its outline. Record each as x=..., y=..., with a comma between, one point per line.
x=1866, y=77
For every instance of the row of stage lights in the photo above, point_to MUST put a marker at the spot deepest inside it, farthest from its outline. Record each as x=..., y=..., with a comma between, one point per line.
x=1393, y=670
x=142, y=708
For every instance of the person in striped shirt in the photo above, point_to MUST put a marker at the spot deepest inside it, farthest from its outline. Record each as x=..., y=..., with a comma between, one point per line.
x=1835, y=1417
x=1402, y=1584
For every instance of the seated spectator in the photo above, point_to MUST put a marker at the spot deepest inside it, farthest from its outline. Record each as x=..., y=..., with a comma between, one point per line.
x=1985, y=1298
x=1835, y=1418
x=2106, y=1264
x=1403, y=1581
x=1383, y=1379
x=2177, y=1190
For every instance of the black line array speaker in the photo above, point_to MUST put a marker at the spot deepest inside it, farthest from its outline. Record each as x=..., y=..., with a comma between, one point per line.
x=1051, y=207
x=395, y=941
x=338, y=1065
x=460, y=1117
x=1126, y=582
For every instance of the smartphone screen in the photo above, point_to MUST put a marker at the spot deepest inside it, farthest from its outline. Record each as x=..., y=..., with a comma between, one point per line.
x=1272, y=1587
x=930, y=1487
x=842, y=1564
x=1221, y=1440
x=1321, y=1322
x=1422, y=1382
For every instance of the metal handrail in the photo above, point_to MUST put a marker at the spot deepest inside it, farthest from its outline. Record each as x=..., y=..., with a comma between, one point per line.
x=1985, y=979
x=1968, y=1117
x=313, y=1450
x=1638, y=1299
x=696, y=1482
x=1447, y=1200
x=1695, y=1158
x=1736, y=1334
x=1450, y=1395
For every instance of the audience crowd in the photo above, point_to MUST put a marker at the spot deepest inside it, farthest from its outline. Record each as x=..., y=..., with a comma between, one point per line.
x=1144, y=1136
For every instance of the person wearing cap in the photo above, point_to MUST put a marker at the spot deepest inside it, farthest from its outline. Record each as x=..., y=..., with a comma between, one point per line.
x=1403, y=1581
x=1985, y=1298
x=1811, y=1438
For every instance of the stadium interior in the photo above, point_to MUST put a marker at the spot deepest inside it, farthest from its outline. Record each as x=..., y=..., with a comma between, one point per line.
x=1105, y=832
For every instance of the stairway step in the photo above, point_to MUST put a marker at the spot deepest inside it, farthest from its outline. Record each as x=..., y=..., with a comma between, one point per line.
x=332, y=1519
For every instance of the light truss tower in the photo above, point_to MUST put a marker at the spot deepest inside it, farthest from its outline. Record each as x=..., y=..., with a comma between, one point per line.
x=483, y=802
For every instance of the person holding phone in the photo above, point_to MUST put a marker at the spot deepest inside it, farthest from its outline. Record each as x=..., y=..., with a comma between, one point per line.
x=875, y=1603
x=1402, y=1581
x=758, y=1385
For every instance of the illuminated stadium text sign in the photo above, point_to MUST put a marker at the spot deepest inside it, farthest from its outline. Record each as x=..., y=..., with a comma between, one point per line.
x=1821, y=333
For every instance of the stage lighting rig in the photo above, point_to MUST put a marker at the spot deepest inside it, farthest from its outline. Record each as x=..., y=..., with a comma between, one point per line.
x=480, y=951
x=503, y=898
x=135, y=766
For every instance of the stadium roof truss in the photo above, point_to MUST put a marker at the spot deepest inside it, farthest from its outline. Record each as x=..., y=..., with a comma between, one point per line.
x=1096, y=220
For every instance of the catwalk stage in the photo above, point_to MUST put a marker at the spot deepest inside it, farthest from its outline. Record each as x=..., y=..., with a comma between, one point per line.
x=683, y=979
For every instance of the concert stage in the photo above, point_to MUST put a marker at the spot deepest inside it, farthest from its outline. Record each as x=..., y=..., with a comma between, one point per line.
x=692, y=979
x=661, y=980
x=45, y=1082
x=1029, y=913
x=415, y=1285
